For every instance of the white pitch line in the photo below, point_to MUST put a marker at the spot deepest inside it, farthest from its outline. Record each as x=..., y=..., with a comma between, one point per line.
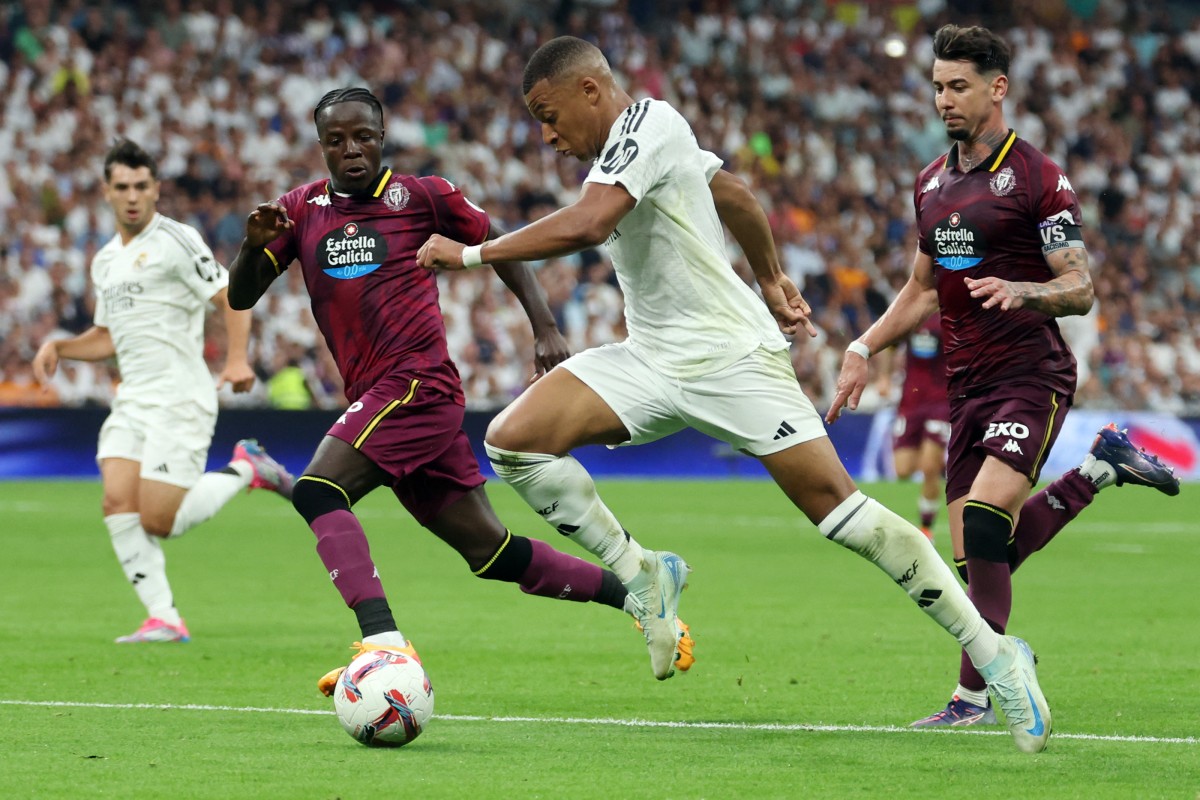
x=626, y=723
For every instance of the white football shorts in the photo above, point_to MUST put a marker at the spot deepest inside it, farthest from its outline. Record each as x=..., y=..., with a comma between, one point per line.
x=170, y=443
x=755, y=404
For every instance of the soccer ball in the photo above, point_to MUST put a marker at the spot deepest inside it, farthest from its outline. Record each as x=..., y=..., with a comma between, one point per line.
x=384, y=698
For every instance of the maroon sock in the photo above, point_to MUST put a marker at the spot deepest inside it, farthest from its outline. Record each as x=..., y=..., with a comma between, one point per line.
x=342, y=546
x=994, y=606
x=1048, y=512
x=552, y=573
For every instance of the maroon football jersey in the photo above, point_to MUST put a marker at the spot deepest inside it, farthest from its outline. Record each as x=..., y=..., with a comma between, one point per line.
x=924, y=368
x=999, y=219
x=376, y=308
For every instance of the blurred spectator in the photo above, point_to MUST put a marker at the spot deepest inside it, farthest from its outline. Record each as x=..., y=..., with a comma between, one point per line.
x=803, y=100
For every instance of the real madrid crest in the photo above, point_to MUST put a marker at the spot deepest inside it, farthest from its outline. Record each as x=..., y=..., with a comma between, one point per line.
x=1003, y=182
x=396, y=196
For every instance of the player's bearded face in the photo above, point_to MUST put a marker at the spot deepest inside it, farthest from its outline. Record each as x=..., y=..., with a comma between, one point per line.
x=133, y=193
x=351, y=136
x=963, y=97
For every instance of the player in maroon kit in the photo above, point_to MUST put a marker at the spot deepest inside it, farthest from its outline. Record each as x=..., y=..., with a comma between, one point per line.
x=356, y=236
x=1000, y=252
x=922, y=428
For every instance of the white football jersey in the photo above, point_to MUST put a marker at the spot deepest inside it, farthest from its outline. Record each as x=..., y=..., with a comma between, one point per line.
x=152, y=295
x=687, y=311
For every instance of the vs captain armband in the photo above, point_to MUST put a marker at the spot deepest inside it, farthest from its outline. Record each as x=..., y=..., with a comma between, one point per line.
x=1060, y=232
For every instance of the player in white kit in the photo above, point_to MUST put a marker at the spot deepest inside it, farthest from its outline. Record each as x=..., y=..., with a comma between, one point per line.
x=703, y=352
x=154, y=281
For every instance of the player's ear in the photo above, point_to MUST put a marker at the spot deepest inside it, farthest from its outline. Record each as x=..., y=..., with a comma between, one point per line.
x=999, y=87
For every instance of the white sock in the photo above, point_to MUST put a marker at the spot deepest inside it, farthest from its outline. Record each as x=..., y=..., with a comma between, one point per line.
x=142, y=559
x=562, y=492
x=209, y=495
x=927, y=506
x=1100, y=473
x=975, y=698
x=386, y=639
x=899, y=549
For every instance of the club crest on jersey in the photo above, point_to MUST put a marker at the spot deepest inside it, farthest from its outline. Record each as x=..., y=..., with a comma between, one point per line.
x=396, y=196
x=956, y=244
x=1004, y=182
x=351, y=251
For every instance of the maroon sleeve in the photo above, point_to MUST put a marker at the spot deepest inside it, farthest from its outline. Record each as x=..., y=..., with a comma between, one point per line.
x=284, y=250
x=457, y=217
x=1056, y=194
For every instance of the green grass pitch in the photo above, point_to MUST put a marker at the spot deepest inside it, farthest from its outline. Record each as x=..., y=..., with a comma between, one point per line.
x=810, y=662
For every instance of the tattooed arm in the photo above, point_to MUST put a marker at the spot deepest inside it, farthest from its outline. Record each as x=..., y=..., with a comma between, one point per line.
x=1069, y=292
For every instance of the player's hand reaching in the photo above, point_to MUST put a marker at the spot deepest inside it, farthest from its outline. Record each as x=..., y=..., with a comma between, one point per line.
x=438, y=252
x=266, y=223
x=789, y=308
x=850, y=384
x=239, y=375
x=549, y=350
x=1005, y=294
x=45, y=363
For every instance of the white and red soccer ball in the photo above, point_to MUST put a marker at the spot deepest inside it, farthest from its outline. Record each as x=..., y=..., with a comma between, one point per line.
x=384, y=698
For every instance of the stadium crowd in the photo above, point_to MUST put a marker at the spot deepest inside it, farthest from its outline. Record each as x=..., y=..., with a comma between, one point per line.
x=825, y=108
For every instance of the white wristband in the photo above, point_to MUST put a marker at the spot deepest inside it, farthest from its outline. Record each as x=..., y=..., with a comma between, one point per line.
x=859, y=349
x=472, y=256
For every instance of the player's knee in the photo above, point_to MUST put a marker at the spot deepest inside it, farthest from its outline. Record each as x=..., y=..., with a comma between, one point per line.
x=986, y=531
x=157, y=524
x=507, y=563
x=314, y=497
x=510, y=432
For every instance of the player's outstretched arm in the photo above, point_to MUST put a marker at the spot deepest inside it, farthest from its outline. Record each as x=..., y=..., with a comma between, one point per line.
x=252, y=270
x=94, y=344
x=741, y=212
x=237, y=371
x=585, y=223
x=912, y=306
x=1068, y=293
x=549, y=346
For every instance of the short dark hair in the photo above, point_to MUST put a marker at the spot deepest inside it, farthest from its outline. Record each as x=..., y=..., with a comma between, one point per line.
x=987, y=51
x=130, y=154
x=349, y=94
x=553, y=59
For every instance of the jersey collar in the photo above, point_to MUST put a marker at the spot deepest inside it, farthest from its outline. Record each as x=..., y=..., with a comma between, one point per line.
x=951, y=161
x=375, y=191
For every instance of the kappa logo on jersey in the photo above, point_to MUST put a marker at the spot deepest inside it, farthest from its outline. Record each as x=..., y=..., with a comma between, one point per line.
x=1064, y=184
x=351, y=251
x=956, y=243
x=319, y=200
x=396, y=196
x=618, y=157
x=1013, y=430
x=1012, y=447
x=1004, y=182
x=355, y=406
x=931, y=185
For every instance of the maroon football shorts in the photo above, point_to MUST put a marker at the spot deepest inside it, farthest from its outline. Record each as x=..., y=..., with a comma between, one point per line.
x=926, y=422
x=1016, y=423
x=413, y=433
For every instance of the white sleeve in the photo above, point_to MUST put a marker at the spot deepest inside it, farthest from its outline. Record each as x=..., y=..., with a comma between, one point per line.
x=711, y=164
x=641, y=148
x=197, y=267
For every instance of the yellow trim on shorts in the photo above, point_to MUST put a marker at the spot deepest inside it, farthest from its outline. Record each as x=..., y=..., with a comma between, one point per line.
x=383, y=412
x=327, y=482
x=274, y=261
x=492, y=560
x=1046, y=439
